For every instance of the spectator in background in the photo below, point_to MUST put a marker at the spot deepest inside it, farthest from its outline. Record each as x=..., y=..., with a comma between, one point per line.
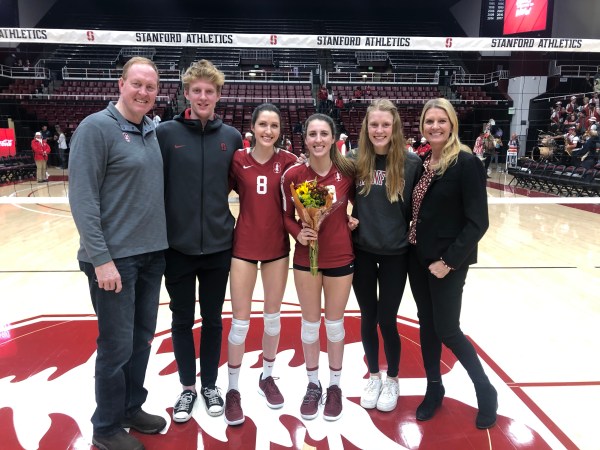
x=322, y=98
x=423, y=147
x=247, y=141
x=41, y=150
x=338, y=106
x=62, y=148
x=572, y=107
x=341, y=144
x=117, y=200
x=156, y=119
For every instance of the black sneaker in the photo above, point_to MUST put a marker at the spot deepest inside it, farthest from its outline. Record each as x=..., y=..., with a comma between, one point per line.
x=182, y=411
x=213, y=400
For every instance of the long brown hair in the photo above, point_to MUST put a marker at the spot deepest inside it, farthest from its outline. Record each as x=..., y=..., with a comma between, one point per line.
x=394, y=166
x=343, y=164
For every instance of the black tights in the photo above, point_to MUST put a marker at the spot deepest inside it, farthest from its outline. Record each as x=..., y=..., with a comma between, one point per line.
x=390, y=272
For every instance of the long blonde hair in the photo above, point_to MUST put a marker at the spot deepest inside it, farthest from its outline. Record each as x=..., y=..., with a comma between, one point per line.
x=453, y=146
x=394, y=166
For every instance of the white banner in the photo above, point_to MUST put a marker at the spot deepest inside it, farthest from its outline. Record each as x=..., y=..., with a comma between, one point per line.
x=163, y=38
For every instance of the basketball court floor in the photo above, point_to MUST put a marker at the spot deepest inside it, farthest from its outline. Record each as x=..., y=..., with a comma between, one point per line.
x=531, y=306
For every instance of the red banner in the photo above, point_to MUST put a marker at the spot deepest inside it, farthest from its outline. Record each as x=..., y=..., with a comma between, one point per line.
x=8, y=144
x=523, y=16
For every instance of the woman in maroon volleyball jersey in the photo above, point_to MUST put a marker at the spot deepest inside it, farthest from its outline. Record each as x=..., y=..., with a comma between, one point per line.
x=259, y=237
x=335, y=261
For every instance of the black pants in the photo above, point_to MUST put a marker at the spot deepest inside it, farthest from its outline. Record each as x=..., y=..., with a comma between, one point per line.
x=212, y=272
x=439, y=303
x=389, y=271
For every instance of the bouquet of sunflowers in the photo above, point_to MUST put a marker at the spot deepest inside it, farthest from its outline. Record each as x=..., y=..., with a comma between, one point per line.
x=313, y=203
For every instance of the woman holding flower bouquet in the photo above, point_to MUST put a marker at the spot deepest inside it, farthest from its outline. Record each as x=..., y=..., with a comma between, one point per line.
x=259, y=236
x=386, y=176
x=324, y=185
x=449, y=217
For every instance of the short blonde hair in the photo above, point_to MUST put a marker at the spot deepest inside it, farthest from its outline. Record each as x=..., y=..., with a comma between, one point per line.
x=139, y=60
x=203, y=70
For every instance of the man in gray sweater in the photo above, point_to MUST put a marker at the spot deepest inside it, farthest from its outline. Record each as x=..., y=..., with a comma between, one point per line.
x=117, y=201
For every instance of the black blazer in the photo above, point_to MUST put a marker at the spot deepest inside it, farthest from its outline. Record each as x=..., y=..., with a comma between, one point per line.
x=454, y=214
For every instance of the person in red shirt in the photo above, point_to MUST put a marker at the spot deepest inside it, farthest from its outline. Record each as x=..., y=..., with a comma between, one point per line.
x=336, y=261
x=41, y=150
x=247, y=141
x=341, y=144
x=423, y=147
x=259, y=236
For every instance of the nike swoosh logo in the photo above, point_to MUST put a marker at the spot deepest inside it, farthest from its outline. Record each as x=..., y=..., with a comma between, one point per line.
x=246, y=167
x=179, y=146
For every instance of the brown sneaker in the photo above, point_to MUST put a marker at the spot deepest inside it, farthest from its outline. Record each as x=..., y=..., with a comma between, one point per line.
x=269, y=390
x=234, y=415
x=120, y=440
x=333, y=403
x=310, y=403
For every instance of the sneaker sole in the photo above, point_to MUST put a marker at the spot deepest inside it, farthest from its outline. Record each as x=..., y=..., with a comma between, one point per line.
x=215, y=413
x=387, y=408
x=309, y=417
x=366, y=405
x=235, y=422
x=270, y=405
x=182, y=419
x=332, y=418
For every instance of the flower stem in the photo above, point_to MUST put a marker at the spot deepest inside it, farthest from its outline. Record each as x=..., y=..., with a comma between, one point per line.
x=313, y=255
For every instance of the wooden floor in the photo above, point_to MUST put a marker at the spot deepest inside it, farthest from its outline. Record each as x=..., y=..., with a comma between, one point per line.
x=531, y=306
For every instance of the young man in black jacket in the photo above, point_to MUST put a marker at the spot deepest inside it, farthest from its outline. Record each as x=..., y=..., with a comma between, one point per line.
x=197, y=149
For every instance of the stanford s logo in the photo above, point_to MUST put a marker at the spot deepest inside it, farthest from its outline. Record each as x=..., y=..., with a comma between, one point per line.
x=90, y=36
x=448, y=42
x=277, y=167
x=223, y=147
x=273, y=39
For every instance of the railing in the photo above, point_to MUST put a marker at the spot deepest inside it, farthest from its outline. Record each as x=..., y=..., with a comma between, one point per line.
x=263, y=76
x=577, y=71
x=371, y=56
x=75, y=97
x=257, y=55
x=129, y=52
x=478, y=79
x=84, y=73
x=267, y=99
x=38, y=73
x=382, y=78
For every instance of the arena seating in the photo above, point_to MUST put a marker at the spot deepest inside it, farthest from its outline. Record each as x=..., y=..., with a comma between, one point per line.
x=16, y=168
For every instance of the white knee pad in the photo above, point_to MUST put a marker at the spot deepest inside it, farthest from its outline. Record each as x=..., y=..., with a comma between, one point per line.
x=310, y=331
x=272, y=323
x=335, y=330
x=238, y=332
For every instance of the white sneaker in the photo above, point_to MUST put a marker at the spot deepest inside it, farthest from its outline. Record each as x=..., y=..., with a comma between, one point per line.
x=389, y=396
x=368, y=399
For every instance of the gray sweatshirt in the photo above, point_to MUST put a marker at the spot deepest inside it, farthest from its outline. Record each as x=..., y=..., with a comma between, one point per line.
x=383, y=226
x=116, y=188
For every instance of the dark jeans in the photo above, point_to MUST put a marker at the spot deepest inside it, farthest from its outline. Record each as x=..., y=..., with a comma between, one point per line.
x=126, y=326
x=390, y=272
x=212, y=272
x=439, y=303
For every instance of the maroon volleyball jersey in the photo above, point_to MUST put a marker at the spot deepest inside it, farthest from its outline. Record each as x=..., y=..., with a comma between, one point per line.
x=335, y=241
x=259, y=233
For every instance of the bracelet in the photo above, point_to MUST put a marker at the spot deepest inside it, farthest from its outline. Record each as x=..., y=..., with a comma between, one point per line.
x=446, y=265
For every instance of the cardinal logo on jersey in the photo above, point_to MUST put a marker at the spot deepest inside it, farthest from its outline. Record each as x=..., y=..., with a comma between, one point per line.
x=277, y=167
x=338, y=177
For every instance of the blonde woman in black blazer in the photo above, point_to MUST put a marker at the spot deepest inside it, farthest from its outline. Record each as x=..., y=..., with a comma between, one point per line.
x=449, y=217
